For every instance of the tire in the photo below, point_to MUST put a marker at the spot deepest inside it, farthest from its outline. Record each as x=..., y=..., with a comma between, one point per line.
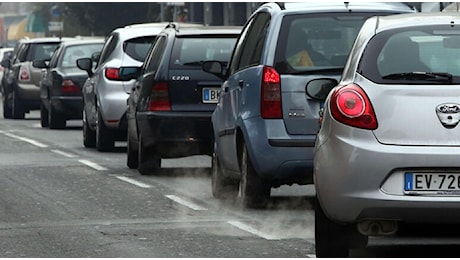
x=222, y=187
x=105, y=141
x=44, y=116
x=7, y=111
x=148, y=163
x=331, y=239
x=55, y=119
x=18, y=110
x=132, y=155
x=89, y=136
x=254, y=191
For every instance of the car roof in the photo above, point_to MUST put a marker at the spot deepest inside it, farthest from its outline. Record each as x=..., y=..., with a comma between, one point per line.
x=84, y=41
x=47, y=39
x=415, y=19
x=207, y=30
x=315, y=7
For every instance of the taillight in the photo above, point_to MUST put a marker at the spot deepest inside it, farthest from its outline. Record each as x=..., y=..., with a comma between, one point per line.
x=68, y=86
x=112, y=73
x=24, y=74
x=351, y=106
x=270, y=103
x=159, y=98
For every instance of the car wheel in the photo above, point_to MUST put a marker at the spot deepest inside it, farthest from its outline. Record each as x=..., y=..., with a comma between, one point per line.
x=105, y=141
x=148, y=162
x=222, y=188
x=55, y=119
x=254, y=191
x=131, y=153
x=331, y=239
x=7, y=111
x=89, y=136
x=43, y=116
x=18, y=110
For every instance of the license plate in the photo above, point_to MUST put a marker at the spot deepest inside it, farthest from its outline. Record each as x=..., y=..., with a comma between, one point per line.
x=439, y=183
x=210, y=95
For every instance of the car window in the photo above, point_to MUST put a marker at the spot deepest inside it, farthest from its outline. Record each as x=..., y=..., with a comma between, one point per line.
x=253, y=47
x=416, y=49
x=137, y=48
x=72, y=53
x=192, y=51
x=316, y=41
x=41, y=51
x=55, y=57
x=235, y=59
x=108, y=48
x=154, y=59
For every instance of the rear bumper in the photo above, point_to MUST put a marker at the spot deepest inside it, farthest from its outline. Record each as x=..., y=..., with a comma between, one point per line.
x=71, y=107
x=176, y=134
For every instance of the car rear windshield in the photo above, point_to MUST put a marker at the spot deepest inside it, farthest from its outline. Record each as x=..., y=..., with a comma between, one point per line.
x=418, y=55
x=42, y=51
x=309, y=42
x=191, y=52
x=137, y=48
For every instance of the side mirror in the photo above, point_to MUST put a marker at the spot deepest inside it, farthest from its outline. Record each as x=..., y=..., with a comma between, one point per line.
x=86, y=64
x=95, y=56
x=41, y=64
x=319, y=88
x=129, y=73
x=214, y=67
x=6, y=63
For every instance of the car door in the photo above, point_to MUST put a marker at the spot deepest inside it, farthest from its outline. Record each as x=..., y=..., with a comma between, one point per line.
x=243, y=83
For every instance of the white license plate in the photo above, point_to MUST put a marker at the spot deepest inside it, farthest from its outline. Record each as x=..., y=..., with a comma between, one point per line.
x=210, y=95
x=432, y=182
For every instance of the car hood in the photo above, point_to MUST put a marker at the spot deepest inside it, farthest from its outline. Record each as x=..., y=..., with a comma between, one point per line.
x=415, y=115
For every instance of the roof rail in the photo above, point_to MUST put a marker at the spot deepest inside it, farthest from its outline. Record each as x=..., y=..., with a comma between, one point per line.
x=173, y=25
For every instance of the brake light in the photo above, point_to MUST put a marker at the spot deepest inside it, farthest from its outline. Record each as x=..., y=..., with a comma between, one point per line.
x=159, y=98
x=112, y=73
x=24, y=74
x=68, y=86
x=270, y=103
x=351, y=106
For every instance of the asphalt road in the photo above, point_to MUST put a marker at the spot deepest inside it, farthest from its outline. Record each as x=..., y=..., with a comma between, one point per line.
x=59, y=199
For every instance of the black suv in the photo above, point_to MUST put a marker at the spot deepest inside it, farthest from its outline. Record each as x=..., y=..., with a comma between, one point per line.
x=170, y=106
x=21, y=87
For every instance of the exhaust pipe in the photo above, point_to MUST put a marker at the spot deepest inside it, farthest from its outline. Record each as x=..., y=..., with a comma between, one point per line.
x=378, y=227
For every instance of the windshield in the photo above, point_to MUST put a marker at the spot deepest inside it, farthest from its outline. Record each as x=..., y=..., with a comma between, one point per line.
x=310, y=42
x=414, y=55
x=193, y=51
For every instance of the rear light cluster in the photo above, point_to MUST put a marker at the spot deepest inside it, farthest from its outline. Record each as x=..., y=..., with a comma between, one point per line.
x=351, y=106
x=112, y=73
x=270, y=104
x=68, y=86
x=159, y=98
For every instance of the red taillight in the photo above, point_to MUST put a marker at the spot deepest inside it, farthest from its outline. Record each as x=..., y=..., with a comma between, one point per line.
x=350, y=105
x=24, y=74
x=270, y=103
x=68, y=86
x=159, y=98
x=112, y=73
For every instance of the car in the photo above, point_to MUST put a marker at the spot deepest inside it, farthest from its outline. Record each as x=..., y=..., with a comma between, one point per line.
x=386, y=156
x=62, y=80
x=21, y=89
x=169, y=110
x=105, y=92
x=5, y=53
x=264, y=125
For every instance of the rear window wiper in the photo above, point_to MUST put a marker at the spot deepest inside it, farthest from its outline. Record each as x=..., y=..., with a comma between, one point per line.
x=416, y=75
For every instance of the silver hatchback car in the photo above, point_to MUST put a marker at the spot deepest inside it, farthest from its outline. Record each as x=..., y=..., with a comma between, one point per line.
x=387, y=153
x=105, y=92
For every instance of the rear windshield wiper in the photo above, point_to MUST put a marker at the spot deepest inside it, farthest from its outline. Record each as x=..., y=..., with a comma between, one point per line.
x=441, y=76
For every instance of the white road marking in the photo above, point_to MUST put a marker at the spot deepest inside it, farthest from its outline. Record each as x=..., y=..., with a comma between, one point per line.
x=64, y=153
x=251, y=230
x=93, y=165
x=185, y=203
x=134, y=182
x=30, y=141
x=311, y=256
